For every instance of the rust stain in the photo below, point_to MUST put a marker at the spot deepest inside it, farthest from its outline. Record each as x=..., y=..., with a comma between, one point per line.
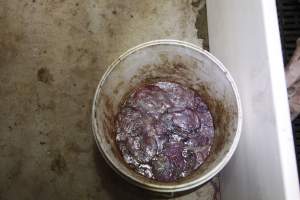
x=201, y=24
x=58, y=164
x=116, y=90
x=76, y=148
x=15, y=171
x=46, y=106
x=44, y=75
x=82, y=124
x=196, y=3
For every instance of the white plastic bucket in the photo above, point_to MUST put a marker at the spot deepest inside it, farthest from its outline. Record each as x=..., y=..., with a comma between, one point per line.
x=183, y=63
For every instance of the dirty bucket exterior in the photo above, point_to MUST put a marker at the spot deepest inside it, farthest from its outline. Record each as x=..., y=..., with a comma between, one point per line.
x=183, y=63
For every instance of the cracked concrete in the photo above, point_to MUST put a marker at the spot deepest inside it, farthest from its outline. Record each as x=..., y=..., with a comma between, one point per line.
x=52, y=55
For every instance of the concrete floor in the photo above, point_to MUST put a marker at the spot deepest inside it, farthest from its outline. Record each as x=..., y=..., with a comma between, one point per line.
x=52, y=55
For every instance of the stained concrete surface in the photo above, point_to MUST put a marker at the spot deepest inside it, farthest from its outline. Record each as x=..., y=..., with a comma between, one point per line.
x=52, y=55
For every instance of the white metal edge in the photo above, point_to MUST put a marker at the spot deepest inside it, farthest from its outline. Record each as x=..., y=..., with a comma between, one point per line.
x=282, y=116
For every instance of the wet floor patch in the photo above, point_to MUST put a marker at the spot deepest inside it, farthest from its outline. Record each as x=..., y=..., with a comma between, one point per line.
x=44, y=75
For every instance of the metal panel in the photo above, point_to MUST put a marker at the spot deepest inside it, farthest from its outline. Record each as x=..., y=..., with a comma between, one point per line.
x=244, y=36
